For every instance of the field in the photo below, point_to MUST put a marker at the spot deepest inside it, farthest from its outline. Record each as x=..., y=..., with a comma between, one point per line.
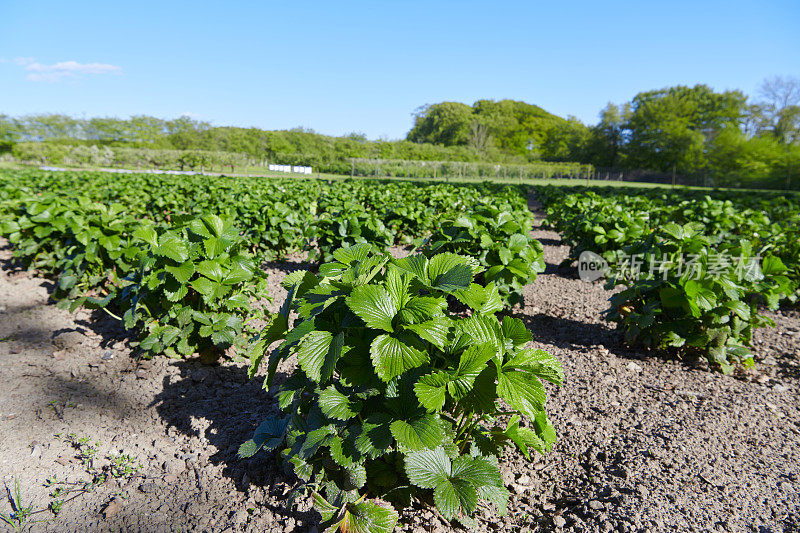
x=138, y=312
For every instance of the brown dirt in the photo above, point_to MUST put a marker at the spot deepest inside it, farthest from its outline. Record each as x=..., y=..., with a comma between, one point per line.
x=646, y=443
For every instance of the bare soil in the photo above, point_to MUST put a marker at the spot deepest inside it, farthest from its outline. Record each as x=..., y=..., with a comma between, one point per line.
x=646, y=443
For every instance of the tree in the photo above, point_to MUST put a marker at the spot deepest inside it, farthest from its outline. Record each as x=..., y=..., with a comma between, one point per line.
x=780, y=109
x=146, y=130
x=8, y=133
x=670, y=127
x=50, y=127
x=446, y=123
x=356, y=136
x=513, y=124
x=564, y=140
x=608, y=136
x=478, y=137
x=509, y=125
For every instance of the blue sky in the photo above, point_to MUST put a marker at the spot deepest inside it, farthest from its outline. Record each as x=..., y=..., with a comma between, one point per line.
x=339, y=67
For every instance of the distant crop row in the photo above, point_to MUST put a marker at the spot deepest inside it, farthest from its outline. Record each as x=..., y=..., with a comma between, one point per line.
x=697, y=270
x=277, y=216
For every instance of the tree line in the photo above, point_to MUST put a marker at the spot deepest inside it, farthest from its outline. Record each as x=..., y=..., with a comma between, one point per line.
x=724, y=137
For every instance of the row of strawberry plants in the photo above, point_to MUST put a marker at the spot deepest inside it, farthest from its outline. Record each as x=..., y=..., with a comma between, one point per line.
x=605, y=220
x=695, y=270
x=185, y=287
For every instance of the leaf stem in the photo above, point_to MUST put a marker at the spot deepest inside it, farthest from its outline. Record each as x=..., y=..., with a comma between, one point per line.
x=110, y=313
x=503, y=413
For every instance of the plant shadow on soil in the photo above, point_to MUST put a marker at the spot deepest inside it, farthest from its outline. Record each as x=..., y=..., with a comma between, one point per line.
x=232, y=406
x=11, y=264
x=92, y=399
x=289, y=265
x=569, y=334
x=548, y=241
x=562, y=270
x=109, y=329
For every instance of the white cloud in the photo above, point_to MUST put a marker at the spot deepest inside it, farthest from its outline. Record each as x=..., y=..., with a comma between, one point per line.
x=22, y=61
x=3, y=60
x=189, y=114
x=64, y=69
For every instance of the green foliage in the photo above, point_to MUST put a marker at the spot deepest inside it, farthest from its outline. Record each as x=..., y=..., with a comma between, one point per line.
x=355, y=517
x=599, y=224
x=278, y=229
x=278, y=216
x=351, y=225
x=498, y=238
x=605, y=147
x=514, y=127
x=193, y=289
x=695, y=298
x=87, y=247
x=100, y=252
x=443, y=123
x=696, y=271
x=394, y=393
x=669, y=127
x=605, y=221
x=37, y=227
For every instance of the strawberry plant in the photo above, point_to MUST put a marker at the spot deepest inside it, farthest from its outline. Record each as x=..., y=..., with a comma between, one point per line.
x=396, y=397
x=784, y=242
x=86, y=247
x=37, y=228
x=99, y=252
x=346, y=227
x=280, y=229
x=707, y=306
x=193, y=289
x=511, y=258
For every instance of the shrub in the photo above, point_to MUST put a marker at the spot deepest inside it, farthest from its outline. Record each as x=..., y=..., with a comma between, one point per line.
x=394, y=393
x=511, y=258
x=193, y=289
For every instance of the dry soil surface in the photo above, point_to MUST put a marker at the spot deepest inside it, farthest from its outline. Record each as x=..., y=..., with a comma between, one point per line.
x=645, y=443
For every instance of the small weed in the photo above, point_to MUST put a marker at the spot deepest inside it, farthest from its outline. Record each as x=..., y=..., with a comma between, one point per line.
x=123, y=465
x=55, y=506
x=120, y=466
x=19, y=512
